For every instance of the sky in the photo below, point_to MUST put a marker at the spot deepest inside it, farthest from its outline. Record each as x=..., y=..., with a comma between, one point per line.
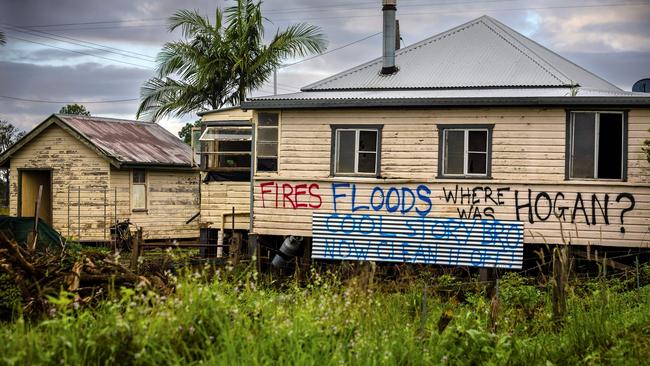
x=98, y=53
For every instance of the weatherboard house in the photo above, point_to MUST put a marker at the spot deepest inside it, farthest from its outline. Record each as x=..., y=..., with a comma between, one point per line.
x=475, y=138
x=97, y=170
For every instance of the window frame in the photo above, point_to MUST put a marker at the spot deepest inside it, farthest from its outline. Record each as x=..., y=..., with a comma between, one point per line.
x=569, y=145
x=358, y=128
x=442, y=130
x=209, y=147
x=256, y=134
x=146, y=190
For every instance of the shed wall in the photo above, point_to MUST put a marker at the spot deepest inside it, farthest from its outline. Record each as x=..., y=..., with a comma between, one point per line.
x=172, y=199
x=218, y=198
x=77, y=172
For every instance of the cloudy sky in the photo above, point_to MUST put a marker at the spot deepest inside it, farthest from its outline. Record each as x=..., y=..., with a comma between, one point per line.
x=90, y=51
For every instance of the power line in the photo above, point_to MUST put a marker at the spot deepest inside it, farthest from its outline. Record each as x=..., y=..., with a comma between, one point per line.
x=79, y=52
x=330, y=51
x=79, y=42
x=68, y=102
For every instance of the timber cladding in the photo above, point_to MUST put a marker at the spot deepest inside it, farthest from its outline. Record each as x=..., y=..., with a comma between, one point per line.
x=87, y=192
x=527, y=181
x=219, y=198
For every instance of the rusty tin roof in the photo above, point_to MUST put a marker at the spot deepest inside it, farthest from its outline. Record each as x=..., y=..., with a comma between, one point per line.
x=125, y=143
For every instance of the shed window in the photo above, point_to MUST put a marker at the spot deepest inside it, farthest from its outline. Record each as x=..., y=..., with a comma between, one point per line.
x=138, y=190
x=267, y=142
x=226, y=148
x=464, y=151
x=356, y=150
x=596, y=145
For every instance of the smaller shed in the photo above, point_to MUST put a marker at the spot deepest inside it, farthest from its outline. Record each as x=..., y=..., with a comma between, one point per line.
x=97, y=170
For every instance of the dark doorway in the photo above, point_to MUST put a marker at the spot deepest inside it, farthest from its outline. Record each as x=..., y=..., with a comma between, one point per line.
x=28, y=183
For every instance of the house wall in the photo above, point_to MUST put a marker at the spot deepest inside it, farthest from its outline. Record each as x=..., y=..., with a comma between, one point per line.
x=218, y=198
x=528, y=154
x=79, y=178
x=172, y=199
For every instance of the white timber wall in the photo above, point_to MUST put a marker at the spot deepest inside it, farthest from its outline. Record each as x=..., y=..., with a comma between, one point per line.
x=528, y=154
x=172, y=199
x=74, y=166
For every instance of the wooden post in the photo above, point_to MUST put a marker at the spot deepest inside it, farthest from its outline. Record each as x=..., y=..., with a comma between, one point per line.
x=79, y=213
x=37, y=210
x=136, y=249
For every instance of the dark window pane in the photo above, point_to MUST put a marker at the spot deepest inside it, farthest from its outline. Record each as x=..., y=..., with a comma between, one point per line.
x=267, y=164
x=367, y=140
x=241, y=146
x=267, y=119
x=345, y=154
x=610, y=146
x=267, y=134
x=234, y=161
x=476, y=163
x=367, y=162
x=454, y=152
x=139, y=176
x=477, y=141
x=583, y=145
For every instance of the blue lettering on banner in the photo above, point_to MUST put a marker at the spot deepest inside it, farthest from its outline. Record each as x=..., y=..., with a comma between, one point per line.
x=447, y=241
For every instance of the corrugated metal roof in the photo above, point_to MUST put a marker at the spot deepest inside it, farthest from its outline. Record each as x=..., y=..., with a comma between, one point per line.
x=450, y=97
x=478, y=54
x=131, y=142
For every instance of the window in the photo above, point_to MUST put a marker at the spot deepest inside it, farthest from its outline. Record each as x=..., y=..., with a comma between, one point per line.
x=226, y=148
x=356, y=150
x=138, y=190
x=267, y=142
x=196, y=145
x=596, y=145
x=464, y=150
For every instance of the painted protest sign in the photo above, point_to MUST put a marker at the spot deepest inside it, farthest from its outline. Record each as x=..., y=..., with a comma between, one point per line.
x=444, y=241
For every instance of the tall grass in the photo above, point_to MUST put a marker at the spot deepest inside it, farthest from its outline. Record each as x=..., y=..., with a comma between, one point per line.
x=238, y=318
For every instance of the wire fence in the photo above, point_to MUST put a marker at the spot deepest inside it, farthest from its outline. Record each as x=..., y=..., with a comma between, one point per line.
x=91, y=212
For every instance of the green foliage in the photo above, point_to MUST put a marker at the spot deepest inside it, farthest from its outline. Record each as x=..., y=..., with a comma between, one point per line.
x=236, y=317
x=218, y=64
x=186, y=132
x=74, y=109
x=10, y=297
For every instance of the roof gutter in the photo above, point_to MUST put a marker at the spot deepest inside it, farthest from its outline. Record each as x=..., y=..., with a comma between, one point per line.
x=643, y=102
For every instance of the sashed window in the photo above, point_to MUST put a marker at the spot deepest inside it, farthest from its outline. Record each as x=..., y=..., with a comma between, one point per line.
x=464, y=150
x=596, y=145
x=267, y=142
x=226, y=148
x=356, y=150
x=138, y=190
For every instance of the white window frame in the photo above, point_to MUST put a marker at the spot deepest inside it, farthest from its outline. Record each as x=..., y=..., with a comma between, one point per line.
x=596, y=145
x=146, y=191
x=356, y=150
x=258, y=127
x=466, y=152
x=212, y=146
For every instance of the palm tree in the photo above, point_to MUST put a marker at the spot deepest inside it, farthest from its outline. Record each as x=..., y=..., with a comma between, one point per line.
x=218, y=64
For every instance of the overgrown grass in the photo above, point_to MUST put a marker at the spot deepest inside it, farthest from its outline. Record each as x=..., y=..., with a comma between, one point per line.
x=238, y=318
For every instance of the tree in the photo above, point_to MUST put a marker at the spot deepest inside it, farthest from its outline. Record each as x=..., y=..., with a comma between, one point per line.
x=186, y=132
x=9, y=134
x=75, y=109
x=219, y=64
x=2, y=38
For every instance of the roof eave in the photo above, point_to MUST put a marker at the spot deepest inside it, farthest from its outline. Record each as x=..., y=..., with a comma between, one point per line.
x=449, y=102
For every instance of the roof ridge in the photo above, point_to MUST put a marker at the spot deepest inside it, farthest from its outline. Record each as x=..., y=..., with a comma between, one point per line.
x=538, y=60
x=110, y=119
x=511, y=31
x=414, y=46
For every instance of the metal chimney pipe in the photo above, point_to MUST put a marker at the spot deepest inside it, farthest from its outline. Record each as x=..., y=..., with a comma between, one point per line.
x=389, y=7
